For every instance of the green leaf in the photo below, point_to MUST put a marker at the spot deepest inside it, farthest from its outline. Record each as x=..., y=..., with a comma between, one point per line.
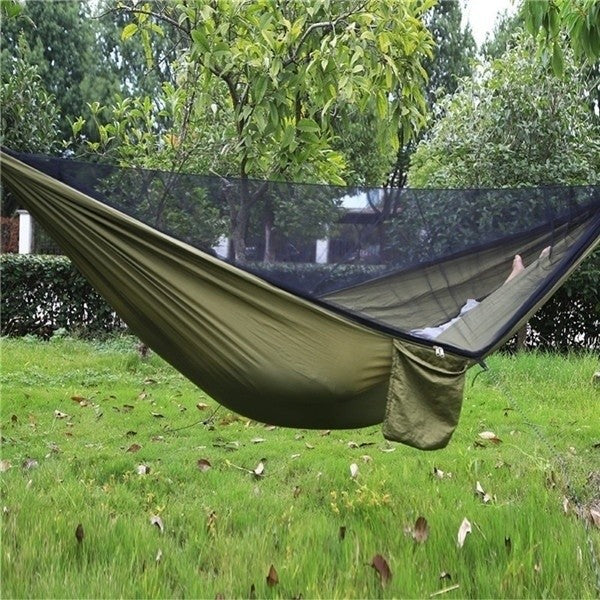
x=200, y=39
x=308, y=125
x=288, y=135
x=382, y=105
x=128, y=31
x=11, y=8
x=558, y=64
x=260, y=88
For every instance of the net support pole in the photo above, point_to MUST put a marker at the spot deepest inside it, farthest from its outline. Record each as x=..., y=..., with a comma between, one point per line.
x=322, y=251
x=25, y=232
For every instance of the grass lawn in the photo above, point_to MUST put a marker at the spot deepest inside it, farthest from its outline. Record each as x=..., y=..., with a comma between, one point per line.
x=93, y=435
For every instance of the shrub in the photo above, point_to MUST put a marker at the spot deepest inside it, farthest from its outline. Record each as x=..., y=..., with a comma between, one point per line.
x=41, y=294
x=571, y=320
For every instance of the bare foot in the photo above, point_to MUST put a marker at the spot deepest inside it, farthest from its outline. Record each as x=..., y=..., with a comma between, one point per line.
x=517, y=267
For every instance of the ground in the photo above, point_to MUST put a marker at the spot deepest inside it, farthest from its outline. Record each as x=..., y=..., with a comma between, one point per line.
x=112, y=485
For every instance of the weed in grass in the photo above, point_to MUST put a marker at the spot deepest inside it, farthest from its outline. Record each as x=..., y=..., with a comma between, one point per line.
x=81, y=518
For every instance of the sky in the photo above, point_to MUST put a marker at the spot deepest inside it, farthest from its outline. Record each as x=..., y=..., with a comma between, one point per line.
x=481, y=15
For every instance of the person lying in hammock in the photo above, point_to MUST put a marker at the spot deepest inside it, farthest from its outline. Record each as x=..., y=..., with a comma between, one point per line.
x=432, y=333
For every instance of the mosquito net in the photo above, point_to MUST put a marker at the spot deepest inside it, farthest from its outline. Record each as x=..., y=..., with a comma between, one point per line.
x=426, y=265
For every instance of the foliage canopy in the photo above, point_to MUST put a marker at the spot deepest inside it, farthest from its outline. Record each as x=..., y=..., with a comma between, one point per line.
x=515, y=126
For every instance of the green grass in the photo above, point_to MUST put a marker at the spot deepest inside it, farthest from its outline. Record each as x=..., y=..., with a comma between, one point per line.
x=224, y=528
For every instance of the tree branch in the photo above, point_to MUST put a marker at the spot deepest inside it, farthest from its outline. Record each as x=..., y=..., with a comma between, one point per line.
x=320, y=25
x=150, y=13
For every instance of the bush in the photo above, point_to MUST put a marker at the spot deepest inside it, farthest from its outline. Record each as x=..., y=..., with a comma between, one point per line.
x=41, y=294
x=571, y=320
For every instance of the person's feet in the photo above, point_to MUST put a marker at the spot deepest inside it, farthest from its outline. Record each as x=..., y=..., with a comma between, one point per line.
x=517, y=266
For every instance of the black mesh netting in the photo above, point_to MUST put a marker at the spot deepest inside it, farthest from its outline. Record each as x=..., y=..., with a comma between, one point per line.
x=399, y=259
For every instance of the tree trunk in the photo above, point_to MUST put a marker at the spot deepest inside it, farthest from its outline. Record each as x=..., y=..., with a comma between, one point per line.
x=521, y=337
x=269, y=254
x=239, y=209
x=238, y=233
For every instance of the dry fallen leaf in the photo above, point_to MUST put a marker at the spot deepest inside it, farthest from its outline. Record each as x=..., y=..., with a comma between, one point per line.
x=272, y=577
x=158, y=556
x=463, y=531
x=421, y=530
x=381, y=566
x=441, y=474
x=4, y=465
x=257, y=440
x=565, y=504
x=60, y=415
x=352, y=445
x=438, y=473
x=201, y=406
x=259, y=471
x=156, y=520
x=158, y=415
x=490, y=436
x=485, y=498
x=133, y=448
x=143, y=469
x=309, y=446
x=353, y=470
x=79, y=533
x=203, y=464
x=30, y=463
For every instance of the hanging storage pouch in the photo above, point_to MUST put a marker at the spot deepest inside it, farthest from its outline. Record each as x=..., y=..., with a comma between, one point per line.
x=424, y=396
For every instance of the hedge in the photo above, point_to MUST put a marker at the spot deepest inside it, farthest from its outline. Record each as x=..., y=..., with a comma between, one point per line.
x=41, y=294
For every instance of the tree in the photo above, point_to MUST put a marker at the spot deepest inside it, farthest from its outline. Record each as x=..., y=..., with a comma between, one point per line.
x=454, y=52
x=30, y=116
x=62, y=45
x=504, y=36
x=82, y=58
x=516, y=125
x=141, y=64
x=278, y=76
x=453, y=57
x=551, y=21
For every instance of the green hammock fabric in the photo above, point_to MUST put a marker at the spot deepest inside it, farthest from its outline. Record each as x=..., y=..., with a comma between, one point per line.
x=261, y=350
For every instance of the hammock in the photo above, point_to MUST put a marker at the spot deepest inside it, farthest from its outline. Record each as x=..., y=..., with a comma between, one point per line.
x=302, y=339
